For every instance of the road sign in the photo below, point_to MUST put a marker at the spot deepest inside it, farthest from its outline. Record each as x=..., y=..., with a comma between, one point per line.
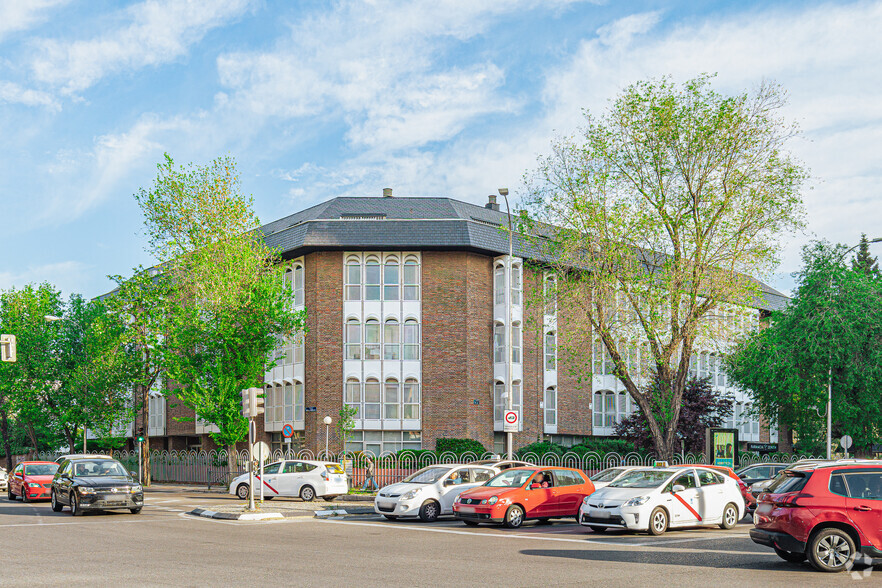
x=846, y=442
x=7, y=348
x=260, y=449
x=288, y=431
x=310, y=409
x=510, y=421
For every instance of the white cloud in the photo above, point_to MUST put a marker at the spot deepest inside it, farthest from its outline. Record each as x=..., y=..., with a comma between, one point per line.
x=160, y=31
x=20, y=15
x=620, y=32
x=13, y=93
x=67, y=276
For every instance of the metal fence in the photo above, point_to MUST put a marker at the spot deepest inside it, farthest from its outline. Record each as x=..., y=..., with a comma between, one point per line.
x=214, y=468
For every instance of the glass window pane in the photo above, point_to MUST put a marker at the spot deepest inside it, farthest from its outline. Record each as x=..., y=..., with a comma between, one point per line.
x=499, y=284
x=390, y=280
x=372, y=280
x=372, y=391
x=390, y=340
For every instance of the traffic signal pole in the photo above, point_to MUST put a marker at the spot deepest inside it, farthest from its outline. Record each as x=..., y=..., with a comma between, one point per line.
x=250, y=464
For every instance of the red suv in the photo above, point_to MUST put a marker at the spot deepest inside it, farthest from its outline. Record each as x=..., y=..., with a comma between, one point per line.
x=827, y=513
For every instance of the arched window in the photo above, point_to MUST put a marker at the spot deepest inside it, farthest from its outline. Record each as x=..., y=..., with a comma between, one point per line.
x=353, y=339
x=516, y=342
x=298, y=285
x=352, y=396
x=604, y=408
x=516, y=284
x=372, y=279
x=353, y=279
x=550, y=350
x=499, y=283
x=411, y=280
x=499, y=343
x=289, y=278
x=372, y=339
x=390, y=279
x=411, y=338
x=391, y=340
x=498, y=401
x=391, y=400
x=550, y=295
x=551, y=406
x=411, y=399
x=373, y=397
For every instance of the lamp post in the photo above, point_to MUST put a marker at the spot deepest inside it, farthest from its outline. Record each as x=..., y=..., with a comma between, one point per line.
x=327, y=421
x=509, y=401
x=830, y=367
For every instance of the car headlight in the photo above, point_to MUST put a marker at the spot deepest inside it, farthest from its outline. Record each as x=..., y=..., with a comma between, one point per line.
x=136, y=488
x=411, y=494
x=33, y=485
x=585, y=501
x=493, y=500
x=85, y=490
x=458, y=499
x=637, y=501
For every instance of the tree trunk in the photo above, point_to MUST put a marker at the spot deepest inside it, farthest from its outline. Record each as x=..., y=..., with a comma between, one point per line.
x=785, y=438
x=4, y=431
x=33, y=436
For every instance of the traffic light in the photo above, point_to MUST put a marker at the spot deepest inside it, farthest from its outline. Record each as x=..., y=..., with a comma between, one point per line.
x=7, y=348
x=258, y=397
x=140, y=434
x=252, y=402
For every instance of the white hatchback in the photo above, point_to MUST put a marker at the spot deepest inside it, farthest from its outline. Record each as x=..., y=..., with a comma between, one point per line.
x=656, y=499
x=430, y=492
x=306, y=479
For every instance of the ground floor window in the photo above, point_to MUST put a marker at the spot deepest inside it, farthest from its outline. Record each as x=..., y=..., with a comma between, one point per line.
x=565, y=440
x=381, y=442
x=551, y=407
x=609, y=408
x=279, y=443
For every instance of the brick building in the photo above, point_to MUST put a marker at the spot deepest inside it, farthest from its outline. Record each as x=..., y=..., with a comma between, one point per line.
x=406, y=301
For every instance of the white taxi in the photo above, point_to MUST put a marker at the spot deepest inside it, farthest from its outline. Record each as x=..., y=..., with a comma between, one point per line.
x=430, y=492
x=656, y=499
x=306, y=479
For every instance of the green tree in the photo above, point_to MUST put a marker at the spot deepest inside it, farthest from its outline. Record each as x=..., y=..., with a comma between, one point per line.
x=231, y=304
x=653, y=216
x=865, y=262
x=833, y=324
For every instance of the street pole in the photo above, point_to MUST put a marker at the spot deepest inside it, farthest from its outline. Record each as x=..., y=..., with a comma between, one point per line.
x=84, y=438
x=509, y=401
x=250, y=465
x=260, y=462
x=327, y=421
x=140, y=464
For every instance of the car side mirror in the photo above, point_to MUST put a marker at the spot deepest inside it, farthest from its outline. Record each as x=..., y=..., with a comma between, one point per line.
x=535, y=486
x=679, y=488
x=448, y=482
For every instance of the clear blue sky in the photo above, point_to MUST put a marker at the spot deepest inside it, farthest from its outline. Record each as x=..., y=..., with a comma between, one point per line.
x=442, y=98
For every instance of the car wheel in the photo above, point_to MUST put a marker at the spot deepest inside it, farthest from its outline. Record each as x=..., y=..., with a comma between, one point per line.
x=242, y=491
x=471, y=523
x=598, y=529
x=9, y=494
x=514, y=517
x=730, y=516
x=56, y=506
x=429, y=511
x=391, y=517
x=74, y=505
x=24, y=495
x=791, y=556
x=136, y=510
x=831, y=550
x=307, y=494
x=658, y=521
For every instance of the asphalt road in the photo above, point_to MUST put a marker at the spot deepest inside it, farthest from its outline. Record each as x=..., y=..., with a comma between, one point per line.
x=163, y=546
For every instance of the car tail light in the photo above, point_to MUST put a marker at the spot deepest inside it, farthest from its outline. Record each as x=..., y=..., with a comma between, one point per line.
x=325, y=476
x=790, y=500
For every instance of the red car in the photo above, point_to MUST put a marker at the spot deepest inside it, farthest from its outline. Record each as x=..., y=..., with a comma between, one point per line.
x=520, y=494
x=32, y=480
x=828, y=513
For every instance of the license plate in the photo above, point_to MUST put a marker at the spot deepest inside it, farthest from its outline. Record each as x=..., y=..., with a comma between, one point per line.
x=114, y=503
x=386, y=504
x=467, y=509
x=599, y=513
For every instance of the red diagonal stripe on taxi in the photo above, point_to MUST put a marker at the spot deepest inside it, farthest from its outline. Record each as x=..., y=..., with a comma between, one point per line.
x=686, y=504
x=270, y=487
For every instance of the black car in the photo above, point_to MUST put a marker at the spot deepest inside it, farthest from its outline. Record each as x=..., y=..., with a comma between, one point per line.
x=760, y=472
x=95, y=483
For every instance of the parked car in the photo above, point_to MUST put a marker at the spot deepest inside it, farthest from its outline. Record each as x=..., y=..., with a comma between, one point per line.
x=826, y=513
x=32, y=480
x=502, y=464
x=3, y=482
x=749, y=499
x=656, y=499
x=306, y=479
x=517, y=495
x=760, y=472
x=95, y=483
x=604, y=478
x=430, y=492
x=759, y=487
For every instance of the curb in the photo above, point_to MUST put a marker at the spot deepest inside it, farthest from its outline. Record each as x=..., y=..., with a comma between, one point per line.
x=231, y=516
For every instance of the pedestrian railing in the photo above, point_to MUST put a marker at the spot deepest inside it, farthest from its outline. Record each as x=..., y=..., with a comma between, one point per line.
x=218, y=468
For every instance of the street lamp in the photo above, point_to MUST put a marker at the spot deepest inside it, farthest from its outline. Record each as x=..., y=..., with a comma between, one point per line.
x=508, y=330
x=830, y=367
x=327, y=421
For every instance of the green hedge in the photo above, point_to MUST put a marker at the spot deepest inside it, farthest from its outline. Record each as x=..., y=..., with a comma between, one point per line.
x=600, y=446
x=459, y=446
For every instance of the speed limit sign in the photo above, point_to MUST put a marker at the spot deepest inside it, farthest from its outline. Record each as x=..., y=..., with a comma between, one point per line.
x=511, y=421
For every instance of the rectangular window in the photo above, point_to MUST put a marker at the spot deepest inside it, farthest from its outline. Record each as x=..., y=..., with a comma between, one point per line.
x=353, y=396
x=609, y=409
x=289, y=403
x=298, y=402
x=499, y=343
x=411, y=399
x=411, y=281
x=515, y=285
x=298, y=285
x=372, y=399
x=390, y=281
x=498, y=401
x=372, y=340
x=391, y=400
x=353, y=281
x=353, y=340
x=516, y=343
x=298, y=348
x=372, y=280
x=499, y=284
x=391, y=345
x=551, y=407
x=550, y=351
x=411, y=337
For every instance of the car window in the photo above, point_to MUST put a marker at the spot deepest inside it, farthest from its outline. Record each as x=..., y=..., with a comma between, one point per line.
x=41, y=469
x=481, y=475
x=290, y=467
x=17, y=469
x=304, y=467
x=567, y=478
x=789, y=481
x=642, y=479
x=837, y=485
x=757, y=473
x=99, y=468
x=272, y=468
x=706, y=478
x=510, y=479
x=867, y=485
x=687, y=480
x=606, y=475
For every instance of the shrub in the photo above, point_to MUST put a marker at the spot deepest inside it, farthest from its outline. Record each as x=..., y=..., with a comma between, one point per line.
x=459, y=446
x=540, y=448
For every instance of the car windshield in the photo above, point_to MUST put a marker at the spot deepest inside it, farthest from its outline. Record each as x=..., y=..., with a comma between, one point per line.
x=334, y=468
x=642, y=479
x=98, y=468
x=510, y=479
x=41, y=469
x=427, y=475
x=606, y=475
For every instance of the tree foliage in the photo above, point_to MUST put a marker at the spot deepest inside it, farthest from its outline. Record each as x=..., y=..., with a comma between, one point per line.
x=652, y=216
x=833, y=324
x=865, y=262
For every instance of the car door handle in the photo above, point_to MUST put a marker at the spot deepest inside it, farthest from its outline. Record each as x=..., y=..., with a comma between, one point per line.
x=863, y=508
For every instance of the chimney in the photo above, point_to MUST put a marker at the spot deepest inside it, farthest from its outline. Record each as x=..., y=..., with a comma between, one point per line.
x=492, y=203
x=387, y=192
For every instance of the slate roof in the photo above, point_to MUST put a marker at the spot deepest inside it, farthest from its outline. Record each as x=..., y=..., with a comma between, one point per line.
x=411, y=223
